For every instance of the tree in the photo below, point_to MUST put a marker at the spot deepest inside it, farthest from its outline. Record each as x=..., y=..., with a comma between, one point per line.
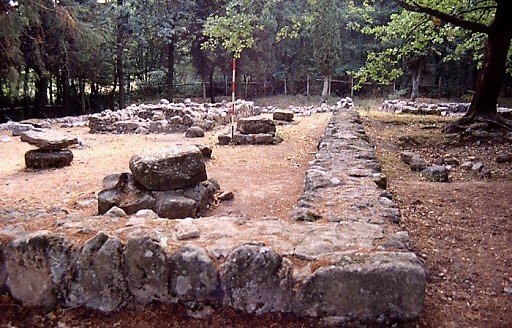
x=491, y=18
x=205, y=61
x=232, y=31
x=408, y=42
x=326, y=40
x=121, y=36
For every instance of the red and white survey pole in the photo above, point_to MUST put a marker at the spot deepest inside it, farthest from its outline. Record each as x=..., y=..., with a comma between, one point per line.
x=233, y=84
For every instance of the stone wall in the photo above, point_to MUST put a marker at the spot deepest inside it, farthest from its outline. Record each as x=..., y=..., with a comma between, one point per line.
x=408, y=107
x=168, y=117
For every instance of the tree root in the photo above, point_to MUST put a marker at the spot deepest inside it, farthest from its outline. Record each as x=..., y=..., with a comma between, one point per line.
x=480, y=127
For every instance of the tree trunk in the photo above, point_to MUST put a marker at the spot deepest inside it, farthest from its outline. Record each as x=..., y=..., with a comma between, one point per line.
x=415, y=68
x=170, y=70
x=212, y=87
x=66, y=103
x=41, y=97
x=81, y=86
x=26, y=96
x=18, y=85
x=490, y=78
x=325, y=88
x=307, y=85
x=119, y=53
x=246, y=86
x=50, y=88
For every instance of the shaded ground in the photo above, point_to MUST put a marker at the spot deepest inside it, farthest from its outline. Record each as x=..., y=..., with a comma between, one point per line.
x=460, y=230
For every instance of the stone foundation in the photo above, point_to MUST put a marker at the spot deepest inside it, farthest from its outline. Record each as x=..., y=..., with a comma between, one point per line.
x=345, y=258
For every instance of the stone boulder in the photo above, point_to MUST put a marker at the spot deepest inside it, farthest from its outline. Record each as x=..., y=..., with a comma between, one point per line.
x=253, y=125
x=3, y=274
x=147, y=270
x=99, y=280
x=36, y=266
x=127, y=194
x=267, y=273
x=194, y=276
x=194, y=132
x=436, y=173
x=415, y=162
x=47, y=159
x=48, y=139
x=19, y=128
x=206, y=151
x=173, y=168
x=504, y=158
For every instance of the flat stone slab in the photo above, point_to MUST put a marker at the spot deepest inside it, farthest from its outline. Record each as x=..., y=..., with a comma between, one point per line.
x=48, y=139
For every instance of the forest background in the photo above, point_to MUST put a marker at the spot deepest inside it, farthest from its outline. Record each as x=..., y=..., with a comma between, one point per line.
x=68, y=57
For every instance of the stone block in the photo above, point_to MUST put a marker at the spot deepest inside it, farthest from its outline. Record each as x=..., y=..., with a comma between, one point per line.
x=283, y=115
x=126, y=194
x=366, y=287
x=255, y=279
x=254, y=125
x=264, y=139
x=48, y=159
x=99, y=280
x=224, y=139
x=48, y=139
x=244, y=139
x=174, y=206
x=127, y=126
x=194, y=132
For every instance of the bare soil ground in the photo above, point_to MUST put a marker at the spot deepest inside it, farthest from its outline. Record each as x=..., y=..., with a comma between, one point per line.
x=461, y=230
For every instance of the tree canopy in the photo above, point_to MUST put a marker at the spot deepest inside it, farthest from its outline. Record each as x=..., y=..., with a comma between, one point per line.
x=491, y=18
x=71, y=57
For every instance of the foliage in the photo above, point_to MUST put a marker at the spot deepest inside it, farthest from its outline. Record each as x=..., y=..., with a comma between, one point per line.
x=69, y=48
x=409, y=35
x=326, y=37
x=233, y=30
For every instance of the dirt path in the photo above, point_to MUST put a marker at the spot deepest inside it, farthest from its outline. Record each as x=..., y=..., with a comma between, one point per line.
x=256, y=174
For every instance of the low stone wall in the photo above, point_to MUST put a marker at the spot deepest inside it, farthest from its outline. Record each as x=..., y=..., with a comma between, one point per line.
x=408, y=107
x=168, y=117
x=343, y=258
